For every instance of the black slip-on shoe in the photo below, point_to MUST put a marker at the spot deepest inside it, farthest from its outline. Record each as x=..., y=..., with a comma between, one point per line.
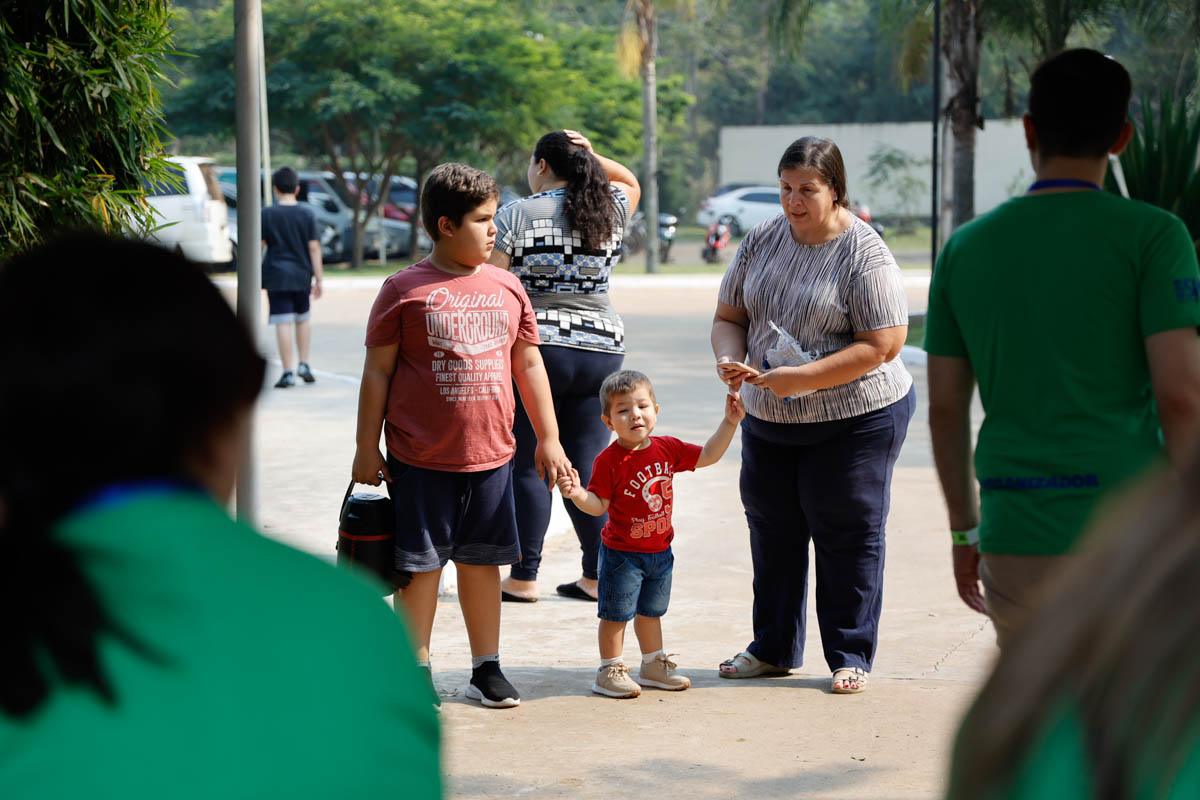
x=489, y=686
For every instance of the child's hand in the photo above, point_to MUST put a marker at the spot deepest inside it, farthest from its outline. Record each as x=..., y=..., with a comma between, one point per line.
x=369, y=465
x=569, y=484
x=735, y=412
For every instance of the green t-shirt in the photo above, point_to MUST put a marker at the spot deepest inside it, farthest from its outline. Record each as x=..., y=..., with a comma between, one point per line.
x=267, y=673
x=1051, y=297
x=1058, y=766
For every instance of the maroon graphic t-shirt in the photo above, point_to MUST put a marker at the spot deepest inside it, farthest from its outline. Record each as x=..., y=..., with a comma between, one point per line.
x=451, y=403
x=637, y=484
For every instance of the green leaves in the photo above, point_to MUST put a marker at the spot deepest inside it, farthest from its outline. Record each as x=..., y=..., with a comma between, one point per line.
x=1161, y=162
x=79, y=117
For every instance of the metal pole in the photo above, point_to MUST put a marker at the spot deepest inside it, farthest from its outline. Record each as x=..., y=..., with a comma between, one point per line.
x=268, y=196
x=937, y=119
x=247, y=35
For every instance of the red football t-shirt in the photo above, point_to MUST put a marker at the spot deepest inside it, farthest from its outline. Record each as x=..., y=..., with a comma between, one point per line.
x=638, y=485
x=451, y=403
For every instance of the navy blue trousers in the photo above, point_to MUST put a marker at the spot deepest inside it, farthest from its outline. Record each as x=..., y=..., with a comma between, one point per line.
x=828, y=482
x=575, y=377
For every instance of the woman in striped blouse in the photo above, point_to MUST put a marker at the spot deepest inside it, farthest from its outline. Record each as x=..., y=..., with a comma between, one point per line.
x=823, y=430
x=563, y=242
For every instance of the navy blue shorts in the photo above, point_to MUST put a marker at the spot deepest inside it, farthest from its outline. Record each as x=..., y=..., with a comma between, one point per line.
x=465, y=517
x=634, y=583
x=287, y=306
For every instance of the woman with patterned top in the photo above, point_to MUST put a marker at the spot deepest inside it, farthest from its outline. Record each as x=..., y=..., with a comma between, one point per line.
x=815, y=304
x=562, y=242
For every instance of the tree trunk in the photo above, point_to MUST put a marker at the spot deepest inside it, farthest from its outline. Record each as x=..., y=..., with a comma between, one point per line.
x=649, y=31
x=760, y=95
x=422, y=168
x=961, y=46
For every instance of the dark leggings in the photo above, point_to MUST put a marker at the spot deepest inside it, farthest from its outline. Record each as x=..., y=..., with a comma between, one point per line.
x=575, y=378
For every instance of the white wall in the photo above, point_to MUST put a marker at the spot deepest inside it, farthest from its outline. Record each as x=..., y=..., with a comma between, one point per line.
x=750, y=154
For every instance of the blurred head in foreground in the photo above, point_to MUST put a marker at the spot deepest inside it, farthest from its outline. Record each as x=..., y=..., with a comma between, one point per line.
x=120, y=364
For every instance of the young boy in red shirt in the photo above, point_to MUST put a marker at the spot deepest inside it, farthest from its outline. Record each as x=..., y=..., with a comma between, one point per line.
x=446, y=339
x=631, y=480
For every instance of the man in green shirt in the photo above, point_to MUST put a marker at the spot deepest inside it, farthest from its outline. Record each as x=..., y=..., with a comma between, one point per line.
x=1076, y=311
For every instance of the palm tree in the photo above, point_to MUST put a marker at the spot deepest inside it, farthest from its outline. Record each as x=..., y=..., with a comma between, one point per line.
x=637, y=49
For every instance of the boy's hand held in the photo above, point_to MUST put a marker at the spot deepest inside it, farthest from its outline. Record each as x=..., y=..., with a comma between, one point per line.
x=551, y=460
x=735, y=412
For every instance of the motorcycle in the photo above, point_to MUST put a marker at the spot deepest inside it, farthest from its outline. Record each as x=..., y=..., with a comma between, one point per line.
x=716, y=239
x=634, y=238
x=666, y=235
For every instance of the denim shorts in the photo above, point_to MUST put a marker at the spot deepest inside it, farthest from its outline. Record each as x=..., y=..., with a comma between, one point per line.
x=465, y=517
x=634, y=583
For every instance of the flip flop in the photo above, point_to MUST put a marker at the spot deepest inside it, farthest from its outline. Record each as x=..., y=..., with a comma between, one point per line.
x=509, y=597
x=573, y=591
x=746, y=665
x=847, y=674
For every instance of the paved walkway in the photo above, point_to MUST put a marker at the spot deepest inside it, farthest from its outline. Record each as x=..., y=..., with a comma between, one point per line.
x=782, y=737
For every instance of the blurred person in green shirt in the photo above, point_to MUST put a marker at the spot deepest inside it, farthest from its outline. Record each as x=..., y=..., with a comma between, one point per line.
x=1096, y=698
x=152, y=646
x=1075, y=310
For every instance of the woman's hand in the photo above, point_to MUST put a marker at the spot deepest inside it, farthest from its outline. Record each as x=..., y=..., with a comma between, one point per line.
x=781, y=381
x=732, y=373
x=579, y=139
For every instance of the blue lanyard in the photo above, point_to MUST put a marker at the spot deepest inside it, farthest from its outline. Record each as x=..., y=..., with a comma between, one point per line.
x=1064, y=183
x=119, y=493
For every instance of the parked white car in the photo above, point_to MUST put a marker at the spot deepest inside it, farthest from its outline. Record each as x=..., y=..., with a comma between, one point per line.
x=741, y=208
x=193, y=216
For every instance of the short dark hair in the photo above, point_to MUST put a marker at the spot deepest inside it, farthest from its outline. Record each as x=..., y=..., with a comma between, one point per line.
x=286, y=180
x=622, y=382
x=822, y=155
x=1079, y=101
x=452, y=190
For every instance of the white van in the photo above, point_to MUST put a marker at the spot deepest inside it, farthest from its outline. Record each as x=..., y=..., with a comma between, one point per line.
x=194, y=217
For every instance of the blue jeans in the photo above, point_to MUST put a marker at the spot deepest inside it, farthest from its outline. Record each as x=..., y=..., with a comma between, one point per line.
x=634, y=583
x=828, y=483
x=575, y=377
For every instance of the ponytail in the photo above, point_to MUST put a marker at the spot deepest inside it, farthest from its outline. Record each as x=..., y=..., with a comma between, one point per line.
x=52, y=614
x=589, y=202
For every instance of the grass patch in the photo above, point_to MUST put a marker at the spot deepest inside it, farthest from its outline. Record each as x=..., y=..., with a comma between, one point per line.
x=917, y=240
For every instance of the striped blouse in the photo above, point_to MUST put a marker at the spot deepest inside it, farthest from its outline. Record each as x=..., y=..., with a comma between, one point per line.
x=822, y=295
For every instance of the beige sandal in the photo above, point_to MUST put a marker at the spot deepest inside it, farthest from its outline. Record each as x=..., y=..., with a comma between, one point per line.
x=745, y=665
x=849, y=675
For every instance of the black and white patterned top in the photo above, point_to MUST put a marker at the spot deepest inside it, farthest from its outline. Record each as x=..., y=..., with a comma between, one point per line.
x=566, y=282
x=822, y=295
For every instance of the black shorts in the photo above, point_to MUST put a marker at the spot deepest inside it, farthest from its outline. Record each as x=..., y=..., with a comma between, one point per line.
x=287, y=306
x=465, y=517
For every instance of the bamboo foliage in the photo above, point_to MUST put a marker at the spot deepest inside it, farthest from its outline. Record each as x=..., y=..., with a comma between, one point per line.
x=80, y=128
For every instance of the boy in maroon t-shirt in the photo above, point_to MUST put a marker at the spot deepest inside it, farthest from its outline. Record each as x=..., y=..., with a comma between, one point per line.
x=631, y=480
x=446, y=339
